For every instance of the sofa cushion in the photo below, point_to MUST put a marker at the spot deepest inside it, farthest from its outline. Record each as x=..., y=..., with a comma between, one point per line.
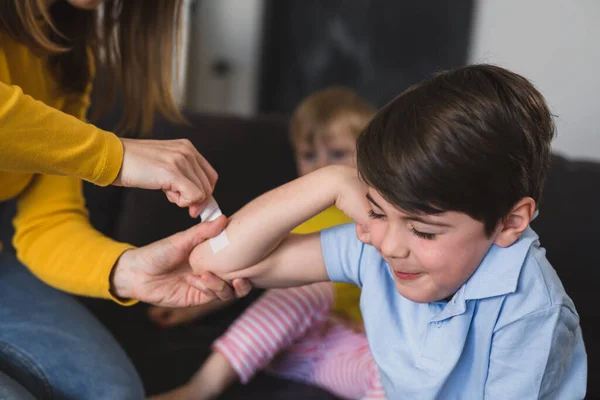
x=568, y=228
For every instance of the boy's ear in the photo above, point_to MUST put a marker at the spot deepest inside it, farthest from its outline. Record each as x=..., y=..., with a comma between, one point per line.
x=514, y=224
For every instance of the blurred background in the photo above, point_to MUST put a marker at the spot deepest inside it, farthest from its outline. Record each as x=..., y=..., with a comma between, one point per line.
x=247, y=57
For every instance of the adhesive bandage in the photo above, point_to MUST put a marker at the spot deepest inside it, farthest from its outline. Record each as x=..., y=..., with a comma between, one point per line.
x=210, y=213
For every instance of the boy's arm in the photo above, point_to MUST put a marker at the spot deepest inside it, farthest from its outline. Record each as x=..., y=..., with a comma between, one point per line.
x=258, y=230
x=298, y=260
x=539, y=356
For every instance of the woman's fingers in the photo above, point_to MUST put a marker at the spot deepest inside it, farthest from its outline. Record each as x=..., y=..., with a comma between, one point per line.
x=175, y=166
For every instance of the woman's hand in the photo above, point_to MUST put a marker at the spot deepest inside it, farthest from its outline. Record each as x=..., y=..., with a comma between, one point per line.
x=174, y=166
x=160, y=273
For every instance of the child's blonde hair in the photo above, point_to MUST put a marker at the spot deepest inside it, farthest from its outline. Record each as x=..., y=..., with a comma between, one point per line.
x=314, y=114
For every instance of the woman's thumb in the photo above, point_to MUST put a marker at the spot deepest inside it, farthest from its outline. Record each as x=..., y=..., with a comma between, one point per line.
x=199, y=233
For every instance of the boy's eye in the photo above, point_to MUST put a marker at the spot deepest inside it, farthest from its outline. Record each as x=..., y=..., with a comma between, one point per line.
x=422, y=235
x=308, y=155
x=374, y=215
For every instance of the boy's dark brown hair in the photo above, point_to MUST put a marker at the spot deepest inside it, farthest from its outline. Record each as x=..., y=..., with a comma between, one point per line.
x=317, y=111
x=475, y=139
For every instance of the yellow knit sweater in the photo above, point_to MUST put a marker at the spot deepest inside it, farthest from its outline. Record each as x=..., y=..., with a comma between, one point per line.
x=347, y=296
x=53, y=236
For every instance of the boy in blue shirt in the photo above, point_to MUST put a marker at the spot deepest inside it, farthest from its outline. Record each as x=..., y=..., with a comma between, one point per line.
x=458, y=298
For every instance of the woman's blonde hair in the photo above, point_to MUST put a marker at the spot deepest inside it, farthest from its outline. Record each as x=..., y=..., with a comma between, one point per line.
x=136, y=41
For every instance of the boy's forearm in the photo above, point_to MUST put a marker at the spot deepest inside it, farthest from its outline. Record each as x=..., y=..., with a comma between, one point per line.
x=297, y=261
x=258, y=228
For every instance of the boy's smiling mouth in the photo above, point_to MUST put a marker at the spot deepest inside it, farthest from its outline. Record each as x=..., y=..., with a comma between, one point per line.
x=406, y=275
x=403, y=274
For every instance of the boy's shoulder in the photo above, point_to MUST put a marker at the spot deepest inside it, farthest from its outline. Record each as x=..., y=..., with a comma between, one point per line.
x=539, y=289
x=529, y=282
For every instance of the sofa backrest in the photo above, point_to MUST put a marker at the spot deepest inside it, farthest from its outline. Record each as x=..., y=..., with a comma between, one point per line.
x=568, y=227
x=251, y=157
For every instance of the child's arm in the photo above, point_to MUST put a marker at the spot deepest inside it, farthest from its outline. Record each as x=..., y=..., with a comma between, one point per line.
x=260, y=229
x=539, y=356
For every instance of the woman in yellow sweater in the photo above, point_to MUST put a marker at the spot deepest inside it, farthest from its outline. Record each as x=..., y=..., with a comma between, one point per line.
x=48, y=343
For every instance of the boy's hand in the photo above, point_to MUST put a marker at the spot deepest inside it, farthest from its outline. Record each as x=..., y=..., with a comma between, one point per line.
x=351, y=199
x=351, y=194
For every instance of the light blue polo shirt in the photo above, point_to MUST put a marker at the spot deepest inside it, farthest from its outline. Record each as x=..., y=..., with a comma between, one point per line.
x=510, y=332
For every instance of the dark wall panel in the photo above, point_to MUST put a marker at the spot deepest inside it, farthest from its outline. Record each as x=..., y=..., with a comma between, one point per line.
x=378, y=47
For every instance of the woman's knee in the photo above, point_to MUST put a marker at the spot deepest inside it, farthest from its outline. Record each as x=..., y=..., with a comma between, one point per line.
x=18, y=366
x=58, y=374
x=55, y=346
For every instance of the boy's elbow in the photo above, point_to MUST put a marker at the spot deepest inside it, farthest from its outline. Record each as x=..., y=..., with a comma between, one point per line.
x=204, y=259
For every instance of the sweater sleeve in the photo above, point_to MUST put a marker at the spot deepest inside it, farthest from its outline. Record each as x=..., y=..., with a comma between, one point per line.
x=36, y=138
x=54, y=238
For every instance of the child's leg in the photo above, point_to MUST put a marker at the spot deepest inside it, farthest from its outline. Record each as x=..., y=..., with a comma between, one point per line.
x=338, y=360
x=169, y=316
x=211, y=380
x=273, y=323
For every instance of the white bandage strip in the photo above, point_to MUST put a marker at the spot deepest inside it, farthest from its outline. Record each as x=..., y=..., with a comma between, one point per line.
x=219, y=242
x=210, y=213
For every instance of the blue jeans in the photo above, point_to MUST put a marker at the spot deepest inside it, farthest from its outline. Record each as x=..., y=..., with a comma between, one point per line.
x=52, y=346
x=11, y=390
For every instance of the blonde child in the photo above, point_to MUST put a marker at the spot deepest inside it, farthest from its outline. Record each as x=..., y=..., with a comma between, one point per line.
x=313, y=334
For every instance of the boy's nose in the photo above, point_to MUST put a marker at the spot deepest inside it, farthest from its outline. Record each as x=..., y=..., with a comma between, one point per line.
x=392, y=247
x=395, y=253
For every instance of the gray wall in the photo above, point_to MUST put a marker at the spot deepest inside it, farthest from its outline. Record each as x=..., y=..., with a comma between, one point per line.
x=556, y=44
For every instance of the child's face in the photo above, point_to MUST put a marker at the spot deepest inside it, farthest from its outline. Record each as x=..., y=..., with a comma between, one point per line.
x=430, y=256
x=336, y=146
